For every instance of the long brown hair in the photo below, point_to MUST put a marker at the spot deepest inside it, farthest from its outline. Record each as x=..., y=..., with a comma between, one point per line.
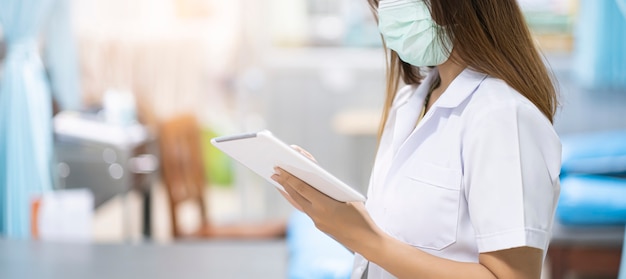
x=490, y=36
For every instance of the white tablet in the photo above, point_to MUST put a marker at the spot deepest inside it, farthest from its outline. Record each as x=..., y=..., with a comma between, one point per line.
x=261, y=152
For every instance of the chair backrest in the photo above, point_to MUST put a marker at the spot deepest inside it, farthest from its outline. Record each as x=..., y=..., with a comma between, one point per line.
x=182, y=166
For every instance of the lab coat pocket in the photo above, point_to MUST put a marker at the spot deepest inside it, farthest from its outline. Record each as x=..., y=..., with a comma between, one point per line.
x=425, y=210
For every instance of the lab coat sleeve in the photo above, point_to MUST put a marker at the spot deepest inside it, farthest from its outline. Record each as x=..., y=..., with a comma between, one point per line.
x=511, y=163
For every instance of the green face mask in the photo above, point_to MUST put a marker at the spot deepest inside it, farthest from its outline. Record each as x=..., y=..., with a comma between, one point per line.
x=409, y=30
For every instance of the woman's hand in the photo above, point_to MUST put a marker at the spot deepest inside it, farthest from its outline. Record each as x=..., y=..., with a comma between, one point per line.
x=347, y=222
x=290, y=200
x=283, y=193
x=304, y=152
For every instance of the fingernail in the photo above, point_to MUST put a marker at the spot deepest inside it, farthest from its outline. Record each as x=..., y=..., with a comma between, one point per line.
x=277, y=170
x=274, y=177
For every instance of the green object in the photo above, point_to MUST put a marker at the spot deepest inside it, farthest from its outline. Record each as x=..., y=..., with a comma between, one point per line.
x=409, y=30
x=218, y=167
x=547, y=22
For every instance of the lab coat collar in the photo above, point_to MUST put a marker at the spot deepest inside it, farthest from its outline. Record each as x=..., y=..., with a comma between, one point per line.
x=409, y=108
x=406, y=137
x=463, y=86
x=460, y=89
x=408, y=111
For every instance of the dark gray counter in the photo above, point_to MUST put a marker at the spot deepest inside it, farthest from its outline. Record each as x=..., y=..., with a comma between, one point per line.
x=210, y=259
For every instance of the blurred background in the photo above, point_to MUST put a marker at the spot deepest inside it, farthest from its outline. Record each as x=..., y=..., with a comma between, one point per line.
x=107, y=108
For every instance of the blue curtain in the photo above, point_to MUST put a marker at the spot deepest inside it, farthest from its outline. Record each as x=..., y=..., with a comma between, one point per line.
x=60, y=56
x=599, y=60
x=25, y=116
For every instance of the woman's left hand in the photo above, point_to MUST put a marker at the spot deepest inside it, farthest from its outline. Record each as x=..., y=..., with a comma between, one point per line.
x=347, y=222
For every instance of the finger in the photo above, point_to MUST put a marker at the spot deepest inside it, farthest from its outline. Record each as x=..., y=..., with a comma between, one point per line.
x=304, y=152
x=287, y=181
x=297, y=184
x=299, y=199
x=289, y=199
x=304, y=189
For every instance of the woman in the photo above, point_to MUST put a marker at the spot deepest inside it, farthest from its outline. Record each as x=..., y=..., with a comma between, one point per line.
x=466, y=177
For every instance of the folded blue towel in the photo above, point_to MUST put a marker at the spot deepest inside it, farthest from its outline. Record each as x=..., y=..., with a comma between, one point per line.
x=594, y=153
x=592, y=200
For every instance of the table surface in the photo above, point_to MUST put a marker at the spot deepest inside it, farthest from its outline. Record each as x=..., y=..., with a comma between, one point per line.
x=205, y=259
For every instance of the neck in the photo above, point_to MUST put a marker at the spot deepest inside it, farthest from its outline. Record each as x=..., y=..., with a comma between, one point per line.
x=448, y=71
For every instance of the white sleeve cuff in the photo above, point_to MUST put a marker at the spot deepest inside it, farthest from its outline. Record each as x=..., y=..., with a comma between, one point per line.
x=513, y=238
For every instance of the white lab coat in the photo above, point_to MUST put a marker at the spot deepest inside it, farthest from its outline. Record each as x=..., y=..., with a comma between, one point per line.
x=479, y=173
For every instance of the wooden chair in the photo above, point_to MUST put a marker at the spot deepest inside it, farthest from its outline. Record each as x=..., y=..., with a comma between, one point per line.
x=183, y=175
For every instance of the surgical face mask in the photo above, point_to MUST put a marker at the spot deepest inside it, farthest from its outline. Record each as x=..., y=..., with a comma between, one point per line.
x=409, y=30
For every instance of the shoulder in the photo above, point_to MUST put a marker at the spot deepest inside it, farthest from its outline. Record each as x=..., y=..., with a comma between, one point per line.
x=495, y=100
x=495, y=93
x=498, y=119
x=497, y=110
